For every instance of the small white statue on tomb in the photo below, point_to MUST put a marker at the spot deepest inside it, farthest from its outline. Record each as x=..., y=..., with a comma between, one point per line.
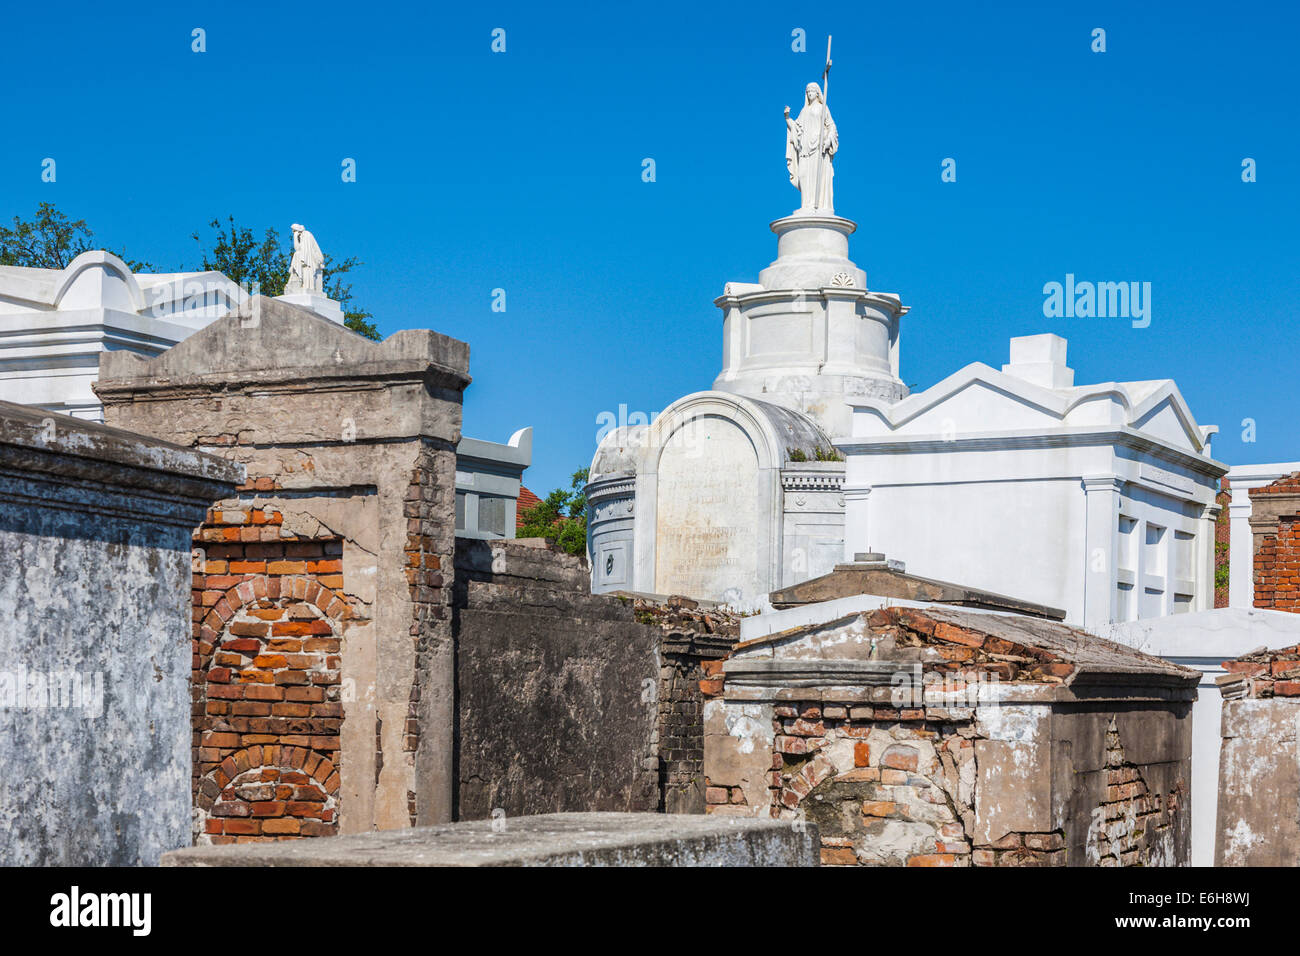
x=306, y=268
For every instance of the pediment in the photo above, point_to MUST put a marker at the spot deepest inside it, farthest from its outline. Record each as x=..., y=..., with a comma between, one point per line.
x=976, y=398
x=266, y=339
x=1168, y=419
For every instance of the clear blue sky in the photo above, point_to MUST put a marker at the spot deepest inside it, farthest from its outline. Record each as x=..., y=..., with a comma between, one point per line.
x=522, y=170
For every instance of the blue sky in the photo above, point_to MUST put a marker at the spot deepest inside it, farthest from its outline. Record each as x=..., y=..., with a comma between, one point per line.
x=522, y=171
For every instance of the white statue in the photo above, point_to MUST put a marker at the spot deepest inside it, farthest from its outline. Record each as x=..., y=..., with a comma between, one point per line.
x=810, y=142
x=307, y=266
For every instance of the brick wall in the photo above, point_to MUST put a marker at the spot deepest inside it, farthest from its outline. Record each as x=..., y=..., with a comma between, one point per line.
x=429, y=510
x=696, y=641
x=1264, y=674
x=1132, y=812
x=697, y=637
x=908, y=801
x=272, y=615
x=269, y=622
x=681, y=733
x=1277, y=549
x=1222, y=544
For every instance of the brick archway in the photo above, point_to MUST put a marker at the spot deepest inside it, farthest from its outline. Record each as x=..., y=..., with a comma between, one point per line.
x=265, y=792
x=264, y=587
x=268, y=707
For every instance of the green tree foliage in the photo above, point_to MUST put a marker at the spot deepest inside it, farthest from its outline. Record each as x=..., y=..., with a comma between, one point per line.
x=238, y=254
x=51, y=240
x=561, y=516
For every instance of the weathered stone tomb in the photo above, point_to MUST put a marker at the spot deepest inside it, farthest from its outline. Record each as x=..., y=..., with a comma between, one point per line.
x=95, y=528
x=1259, y=766
x=920, y=735
x=569, y=701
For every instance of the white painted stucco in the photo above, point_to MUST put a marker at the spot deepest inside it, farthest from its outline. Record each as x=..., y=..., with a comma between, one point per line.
x=1095, y=499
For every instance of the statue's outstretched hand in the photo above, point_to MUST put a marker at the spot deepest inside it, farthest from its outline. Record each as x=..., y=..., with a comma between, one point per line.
x=787, y=111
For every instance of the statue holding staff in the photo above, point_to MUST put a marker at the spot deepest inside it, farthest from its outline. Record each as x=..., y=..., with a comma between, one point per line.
x=811, y=141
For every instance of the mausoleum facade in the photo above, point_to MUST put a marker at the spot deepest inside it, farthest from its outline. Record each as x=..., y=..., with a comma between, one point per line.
x=1097, y=499
x=721, y=495
x=809, y=452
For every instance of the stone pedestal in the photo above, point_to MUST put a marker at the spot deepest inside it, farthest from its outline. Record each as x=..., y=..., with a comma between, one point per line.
x=809, y=333
x=812, y=251
x=314, y=302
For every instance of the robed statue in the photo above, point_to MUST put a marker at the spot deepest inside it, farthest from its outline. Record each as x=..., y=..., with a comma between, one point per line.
x=810, y=143
x=306, y=268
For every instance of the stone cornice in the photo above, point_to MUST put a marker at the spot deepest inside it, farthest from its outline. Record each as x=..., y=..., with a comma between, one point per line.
x=803, y=220
x=878, y=682
x=1095, y=483
x=792, y=480
x=813, y=672
x=621, y=486
x=351, y=377
x=273, y=344
x=883, y=300
x=49, y=460
x=1068, y=437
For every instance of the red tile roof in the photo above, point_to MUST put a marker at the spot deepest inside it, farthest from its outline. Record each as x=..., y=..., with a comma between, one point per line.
x=526, y=500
